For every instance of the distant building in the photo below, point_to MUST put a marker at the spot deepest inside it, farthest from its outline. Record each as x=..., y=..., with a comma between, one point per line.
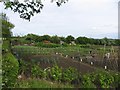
x=46, y=42
x=72, y=43
x=62, y=42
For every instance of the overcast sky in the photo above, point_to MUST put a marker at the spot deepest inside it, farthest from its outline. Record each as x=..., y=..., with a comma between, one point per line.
x=90, y=18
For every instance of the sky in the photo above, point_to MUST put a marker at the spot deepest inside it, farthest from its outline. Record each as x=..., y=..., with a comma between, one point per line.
x=89, y=18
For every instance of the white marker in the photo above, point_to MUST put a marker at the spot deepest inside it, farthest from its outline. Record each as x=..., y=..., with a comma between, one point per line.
x=81, y=60
x=105, y=67
x=91, y=63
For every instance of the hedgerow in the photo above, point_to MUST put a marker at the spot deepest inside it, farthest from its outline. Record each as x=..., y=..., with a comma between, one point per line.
x=10, y=68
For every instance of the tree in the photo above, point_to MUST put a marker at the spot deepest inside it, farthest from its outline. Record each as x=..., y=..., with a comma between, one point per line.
x=82, y=40
x=28, y=8
x=55, y=39
x=6, y=26
x=104, y=41
x=69, y=39
x=31, y=37
x=62, y=39
x=46, y=37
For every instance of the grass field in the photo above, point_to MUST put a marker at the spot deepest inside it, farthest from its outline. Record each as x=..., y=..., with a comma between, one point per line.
x=35, y=83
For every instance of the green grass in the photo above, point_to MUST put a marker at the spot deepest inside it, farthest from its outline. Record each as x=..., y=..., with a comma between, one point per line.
x=36, y=83
x=69, y=50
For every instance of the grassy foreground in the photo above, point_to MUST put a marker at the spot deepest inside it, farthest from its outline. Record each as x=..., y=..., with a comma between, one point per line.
x=38, y=83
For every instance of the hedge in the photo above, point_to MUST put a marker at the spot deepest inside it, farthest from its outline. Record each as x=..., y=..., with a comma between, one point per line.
x=10, y=68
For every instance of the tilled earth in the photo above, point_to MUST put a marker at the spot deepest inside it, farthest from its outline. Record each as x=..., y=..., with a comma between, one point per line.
x=61, y=62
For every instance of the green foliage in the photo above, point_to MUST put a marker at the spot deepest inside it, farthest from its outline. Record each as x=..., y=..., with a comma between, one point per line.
x=102, y=79
x=49, y=45
x=6, y=26
x=65, y=44
x=69, y=39
x=85, y=46
x=6, y=46
x=81, y=40
x=116, y=82
x=37, y=72
x=56, y=73
x=55, y=39
x=87, y=81
x=30, y=38
x=36, y=83
x=70, y=74
x=10, y=68
x=24, y=67
x=28, y=8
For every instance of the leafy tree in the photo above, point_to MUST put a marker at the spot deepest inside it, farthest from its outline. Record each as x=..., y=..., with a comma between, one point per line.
x=46, y=37
x=6, y=26
x=117, y=42
x=97, y=42
x=62, y=39
x=6, y=31
x=31, y=37
x=82, y=40
x=28, y=9
x=55, y=39
x=69, y=39
x=104, y=41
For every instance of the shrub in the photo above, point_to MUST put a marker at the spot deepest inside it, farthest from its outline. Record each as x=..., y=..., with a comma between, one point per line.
x=87, y=81
x=70, y=74
x=24, y=67
x=103, y=79
x=48, y=45
x=10, y=68
x=56, y=73
x=116, y=82
x=37, y=72
x=65, y=44
x=6, y=46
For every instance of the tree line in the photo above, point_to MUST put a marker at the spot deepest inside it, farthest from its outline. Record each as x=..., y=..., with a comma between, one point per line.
x=33, y=38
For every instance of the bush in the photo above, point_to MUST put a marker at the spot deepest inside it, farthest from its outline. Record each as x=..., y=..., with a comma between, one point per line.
x=6, y=46
x=49, y=45
x=37, y=72
x=116, y=77
x=87, y=81
x=65, y=44
x=25, y=67
x=102, y=79
x=10, y=68
x=70, y=74
x=56, y=73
